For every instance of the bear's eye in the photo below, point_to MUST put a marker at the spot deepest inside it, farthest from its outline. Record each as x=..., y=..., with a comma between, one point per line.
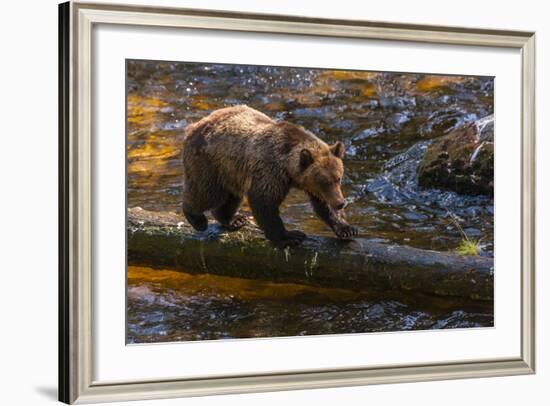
x=322, y=180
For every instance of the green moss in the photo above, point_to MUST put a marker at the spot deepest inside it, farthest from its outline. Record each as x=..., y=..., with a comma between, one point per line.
x=468, y=247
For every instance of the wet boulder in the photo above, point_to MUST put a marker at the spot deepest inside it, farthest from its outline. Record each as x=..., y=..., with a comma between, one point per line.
x=461, y=161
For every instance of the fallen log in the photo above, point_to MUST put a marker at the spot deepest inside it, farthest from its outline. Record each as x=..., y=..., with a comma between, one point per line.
x=162, y=239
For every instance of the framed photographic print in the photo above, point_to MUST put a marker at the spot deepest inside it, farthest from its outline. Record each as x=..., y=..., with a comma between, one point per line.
x=264, y=202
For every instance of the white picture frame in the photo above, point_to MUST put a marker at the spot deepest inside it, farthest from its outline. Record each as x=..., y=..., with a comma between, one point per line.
x=77, y=383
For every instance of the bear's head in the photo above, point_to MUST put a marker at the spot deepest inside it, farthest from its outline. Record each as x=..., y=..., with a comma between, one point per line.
x=320, y=173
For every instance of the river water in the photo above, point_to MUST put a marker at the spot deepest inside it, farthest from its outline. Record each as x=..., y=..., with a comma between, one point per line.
x=378, y=116
x=166, y=305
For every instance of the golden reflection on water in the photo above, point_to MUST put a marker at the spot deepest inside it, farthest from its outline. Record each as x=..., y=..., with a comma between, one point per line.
x=433, y=82
x=244, y=289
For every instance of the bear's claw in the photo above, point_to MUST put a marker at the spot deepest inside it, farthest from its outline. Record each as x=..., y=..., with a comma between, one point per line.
x=237, y=222
x=346, y=232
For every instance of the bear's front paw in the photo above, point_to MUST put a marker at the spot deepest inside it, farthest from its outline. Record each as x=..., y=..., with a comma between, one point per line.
x=345, y=231
x=237, y=222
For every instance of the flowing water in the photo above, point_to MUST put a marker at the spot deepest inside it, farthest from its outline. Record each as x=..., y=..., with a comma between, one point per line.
x=165, y=305
x=382, y=118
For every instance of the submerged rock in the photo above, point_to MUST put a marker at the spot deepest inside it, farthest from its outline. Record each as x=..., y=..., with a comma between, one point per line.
x=461, y=161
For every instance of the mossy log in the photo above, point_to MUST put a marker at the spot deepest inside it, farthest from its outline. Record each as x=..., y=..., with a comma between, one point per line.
x=165, y=240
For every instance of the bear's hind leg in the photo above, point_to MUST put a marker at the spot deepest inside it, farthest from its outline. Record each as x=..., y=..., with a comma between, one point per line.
x=227, y=214
x=197, y=220
x=193, y=204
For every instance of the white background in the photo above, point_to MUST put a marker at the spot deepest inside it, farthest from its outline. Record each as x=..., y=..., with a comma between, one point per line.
x=28, y=167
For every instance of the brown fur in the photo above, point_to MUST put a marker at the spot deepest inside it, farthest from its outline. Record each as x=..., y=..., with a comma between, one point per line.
x=238, y=151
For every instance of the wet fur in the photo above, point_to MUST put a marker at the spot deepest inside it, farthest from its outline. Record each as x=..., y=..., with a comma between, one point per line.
x=238, y=151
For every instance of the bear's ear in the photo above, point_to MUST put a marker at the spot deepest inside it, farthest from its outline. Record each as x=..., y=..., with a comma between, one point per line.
x=306, y=158
x=337, y=150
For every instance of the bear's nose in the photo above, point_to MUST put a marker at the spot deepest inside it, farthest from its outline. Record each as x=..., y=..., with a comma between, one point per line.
x=340, y=205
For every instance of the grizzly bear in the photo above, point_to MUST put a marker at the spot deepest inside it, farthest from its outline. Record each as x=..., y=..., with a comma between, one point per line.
x=238, y=151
